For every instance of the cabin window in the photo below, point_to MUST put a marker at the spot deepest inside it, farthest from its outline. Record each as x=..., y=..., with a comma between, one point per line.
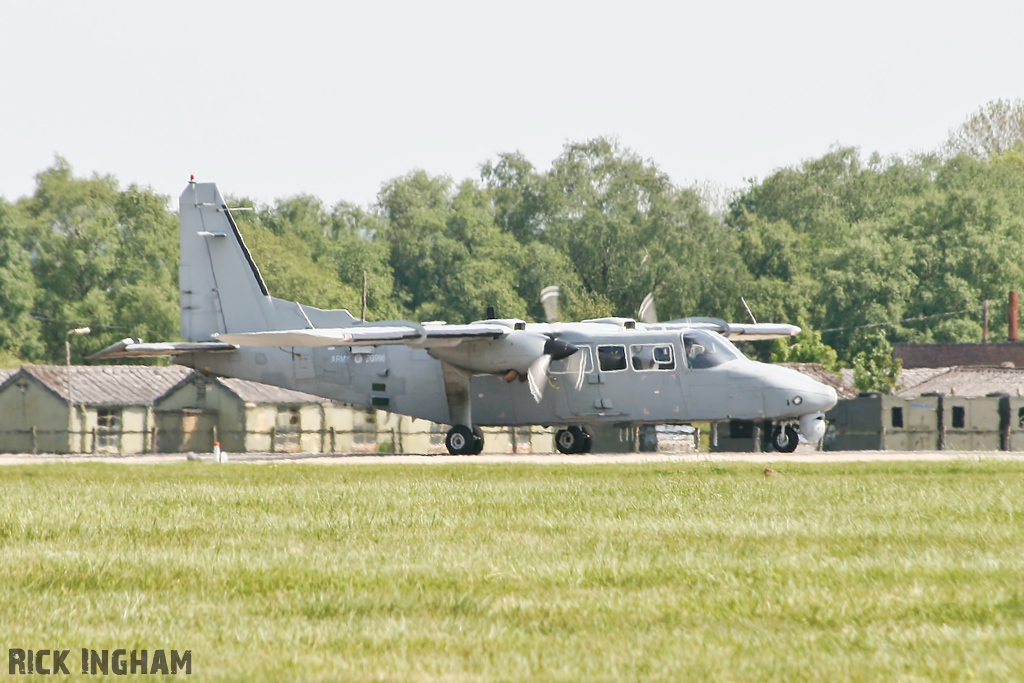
x=577, y=362
x=652, y=357
x=108, y=429
x=611, y=358
x=959, y=417
x=897, y=417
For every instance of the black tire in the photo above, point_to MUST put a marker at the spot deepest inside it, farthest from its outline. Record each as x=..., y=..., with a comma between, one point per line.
x=461, y=440
x=565, y=441
x=478, y=441
x=785, y=439
x=587, y=441
x=572, y=440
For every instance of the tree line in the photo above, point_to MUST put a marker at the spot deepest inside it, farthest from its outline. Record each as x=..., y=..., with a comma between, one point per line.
x=861, y=251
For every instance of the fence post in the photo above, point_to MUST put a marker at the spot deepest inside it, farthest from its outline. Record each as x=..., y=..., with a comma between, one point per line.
x=942, y=422
x=35, y=444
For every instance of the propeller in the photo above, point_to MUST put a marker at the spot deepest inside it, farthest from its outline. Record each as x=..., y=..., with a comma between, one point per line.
x=575, y=370
x=549, y=298
x=536, y=374
x=648, y=313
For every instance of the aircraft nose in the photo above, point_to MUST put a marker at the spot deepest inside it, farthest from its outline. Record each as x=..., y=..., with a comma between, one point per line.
x=791, y=394
x=558, y=349
x=820, y=397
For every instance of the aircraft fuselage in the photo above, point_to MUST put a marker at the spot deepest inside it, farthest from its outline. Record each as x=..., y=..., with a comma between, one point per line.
x=618, y=376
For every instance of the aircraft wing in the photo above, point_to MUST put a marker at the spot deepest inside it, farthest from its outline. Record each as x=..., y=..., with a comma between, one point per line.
x=758, y=331
x=136, y=348
x=735, y=331
x=412, y=334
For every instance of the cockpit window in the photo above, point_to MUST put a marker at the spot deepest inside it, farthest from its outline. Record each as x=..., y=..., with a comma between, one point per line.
x=611, y=358
x=706, y=349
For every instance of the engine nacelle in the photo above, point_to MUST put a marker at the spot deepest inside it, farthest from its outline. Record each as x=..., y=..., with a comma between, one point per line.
x=812, y=426
x=517, y=350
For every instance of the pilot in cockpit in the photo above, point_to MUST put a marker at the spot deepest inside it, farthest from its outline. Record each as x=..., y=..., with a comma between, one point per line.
x=694, y=353
x=692, y=350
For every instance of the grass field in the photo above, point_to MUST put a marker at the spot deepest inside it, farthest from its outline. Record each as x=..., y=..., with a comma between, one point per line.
x=509, y=572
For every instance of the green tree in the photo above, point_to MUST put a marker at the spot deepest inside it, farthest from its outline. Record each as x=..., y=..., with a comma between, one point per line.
x=807, y=348
x=101, y=257
x=521, y=195
x=874, y=368
x=449, y=258
x=328, y=252
x=628, y=230
x=994, y=129
x=19, y=332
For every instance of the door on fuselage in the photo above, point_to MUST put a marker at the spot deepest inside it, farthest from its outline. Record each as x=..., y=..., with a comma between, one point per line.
x=572, y=384
x=640, y=380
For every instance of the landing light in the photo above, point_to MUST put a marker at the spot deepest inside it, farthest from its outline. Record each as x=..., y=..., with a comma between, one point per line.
x=797, y=400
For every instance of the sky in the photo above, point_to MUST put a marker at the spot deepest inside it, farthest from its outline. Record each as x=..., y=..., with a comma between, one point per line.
x=270, y=100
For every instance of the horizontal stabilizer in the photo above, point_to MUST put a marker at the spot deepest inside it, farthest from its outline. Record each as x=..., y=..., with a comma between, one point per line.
x=410, y=333
x=136, y=348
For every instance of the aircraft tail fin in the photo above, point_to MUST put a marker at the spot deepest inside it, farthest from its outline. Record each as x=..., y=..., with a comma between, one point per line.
x=222, y=289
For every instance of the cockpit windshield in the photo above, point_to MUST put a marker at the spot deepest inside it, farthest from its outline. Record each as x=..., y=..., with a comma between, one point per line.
x=705, y=349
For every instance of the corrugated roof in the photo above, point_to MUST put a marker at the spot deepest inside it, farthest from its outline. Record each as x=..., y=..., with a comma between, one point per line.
x=109, y=384
x=912, y=377
x=256, y=392
x=970, y=381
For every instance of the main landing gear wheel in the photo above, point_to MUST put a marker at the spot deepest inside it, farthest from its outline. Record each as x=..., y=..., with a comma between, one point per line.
x=573, y=440
x=785, y=439
x=463, y=440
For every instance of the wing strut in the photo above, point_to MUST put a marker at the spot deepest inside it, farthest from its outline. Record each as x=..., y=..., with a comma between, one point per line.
x=456, y=388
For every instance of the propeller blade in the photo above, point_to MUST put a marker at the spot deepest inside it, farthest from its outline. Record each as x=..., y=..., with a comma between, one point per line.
x=648, y=313
x=575, y=370
x=549, y=300
x=537, y=376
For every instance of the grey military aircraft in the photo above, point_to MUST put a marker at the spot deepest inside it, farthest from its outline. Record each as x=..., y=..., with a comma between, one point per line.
x=494, y=372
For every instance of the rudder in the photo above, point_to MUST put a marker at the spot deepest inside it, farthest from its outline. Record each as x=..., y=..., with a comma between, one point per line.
x=222, y=289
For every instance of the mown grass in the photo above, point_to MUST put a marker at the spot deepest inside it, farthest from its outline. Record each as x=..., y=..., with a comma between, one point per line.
x=517, y=572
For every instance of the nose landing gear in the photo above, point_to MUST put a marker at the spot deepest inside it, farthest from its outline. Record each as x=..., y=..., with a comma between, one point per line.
x=785, y=438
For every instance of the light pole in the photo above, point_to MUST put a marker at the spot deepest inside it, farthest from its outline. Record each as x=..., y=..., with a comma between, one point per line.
x=71, y=400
